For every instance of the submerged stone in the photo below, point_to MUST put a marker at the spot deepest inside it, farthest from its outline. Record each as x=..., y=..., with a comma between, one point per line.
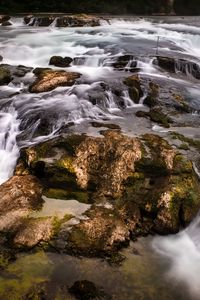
x=86, y=290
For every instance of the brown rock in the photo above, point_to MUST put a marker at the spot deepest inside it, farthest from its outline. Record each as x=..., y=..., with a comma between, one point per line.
x=134, y=85
x=49, y=80
x=4, y=18
x=101, y=233
x=18, y=196
x=34, y=231
x=78, y=21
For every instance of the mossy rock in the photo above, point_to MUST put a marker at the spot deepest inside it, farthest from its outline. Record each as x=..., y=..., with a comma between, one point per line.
x=64, y=194
x=5, y=76
x=160, y=118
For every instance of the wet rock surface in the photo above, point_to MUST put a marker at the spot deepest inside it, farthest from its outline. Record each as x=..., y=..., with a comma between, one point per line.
x=49, y=79
x=4, y=18
x=5, y=76
x=137, y=186
x=78, y=20
x=60, y=61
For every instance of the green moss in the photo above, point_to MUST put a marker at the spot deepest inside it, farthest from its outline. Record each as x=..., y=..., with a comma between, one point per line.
x=71, y=143
x=183, y=146
x=26, y=271
x=67, y=163
x=192, y=142
x=182, y=165
x=4, y=261
x=160, y=118
x=155, y=168
x=55, y=193
x=57, y=223
x=132, y=179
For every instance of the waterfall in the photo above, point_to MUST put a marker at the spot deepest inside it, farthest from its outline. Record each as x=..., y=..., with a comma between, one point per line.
x=9, y=128
x=183, y=252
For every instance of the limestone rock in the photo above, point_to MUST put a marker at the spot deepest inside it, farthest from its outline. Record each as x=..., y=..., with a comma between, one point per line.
x=34, y=231
x=49, y=80
x=18, y=196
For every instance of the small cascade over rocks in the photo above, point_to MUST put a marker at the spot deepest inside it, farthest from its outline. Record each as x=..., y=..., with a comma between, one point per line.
x=9, y=129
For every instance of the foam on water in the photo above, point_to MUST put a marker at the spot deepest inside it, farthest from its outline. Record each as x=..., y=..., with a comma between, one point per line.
x=9, y=151
x=183, y=252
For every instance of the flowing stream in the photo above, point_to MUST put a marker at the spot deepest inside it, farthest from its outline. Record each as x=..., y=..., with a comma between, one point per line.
x=26, y=119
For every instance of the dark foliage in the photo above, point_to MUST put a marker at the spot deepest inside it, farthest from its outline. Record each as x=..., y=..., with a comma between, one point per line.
x=98, y=6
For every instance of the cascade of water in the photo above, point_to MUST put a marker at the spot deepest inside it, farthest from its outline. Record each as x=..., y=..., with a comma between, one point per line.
x=9, y=129
x=183, y=251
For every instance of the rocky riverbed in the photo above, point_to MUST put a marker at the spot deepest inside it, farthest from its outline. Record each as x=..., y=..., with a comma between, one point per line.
x=99, y=144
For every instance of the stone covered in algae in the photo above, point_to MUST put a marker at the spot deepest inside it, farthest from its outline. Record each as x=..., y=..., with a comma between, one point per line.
x=148, y=186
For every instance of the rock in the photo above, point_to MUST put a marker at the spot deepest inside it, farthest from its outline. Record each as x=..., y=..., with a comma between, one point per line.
x=18, y=196
x=124, y=62
x=5, y=76
x=59, y=61
x=6, y=23
x=49, y=80
x=4, y=18
x=39, y=21
x=27, y=19
x=38, y=291
x=178, y=66
x=81, y=160
x=153, y=93
x=86, y=290
x=167, y=63
x=17, y=71
x=77, y=21
x=1, y=57
x=38, y=71
x=102, y=233
x=105, y=125
x=142, y=177
x=33, y=232
x=7, y=255
x=156, y=116
x=134, y=87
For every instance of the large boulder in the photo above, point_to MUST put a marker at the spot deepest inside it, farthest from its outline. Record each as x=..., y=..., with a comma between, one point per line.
x=137, y=185
x=79, y=161
x=48, y=80
x=102, y=233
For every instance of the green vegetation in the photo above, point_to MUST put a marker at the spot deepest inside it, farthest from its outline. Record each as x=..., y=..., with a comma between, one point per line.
x=191, y=142
x=103, y=6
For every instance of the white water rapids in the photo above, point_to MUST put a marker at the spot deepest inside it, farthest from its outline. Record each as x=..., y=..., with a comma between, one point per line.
x=27, y=118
